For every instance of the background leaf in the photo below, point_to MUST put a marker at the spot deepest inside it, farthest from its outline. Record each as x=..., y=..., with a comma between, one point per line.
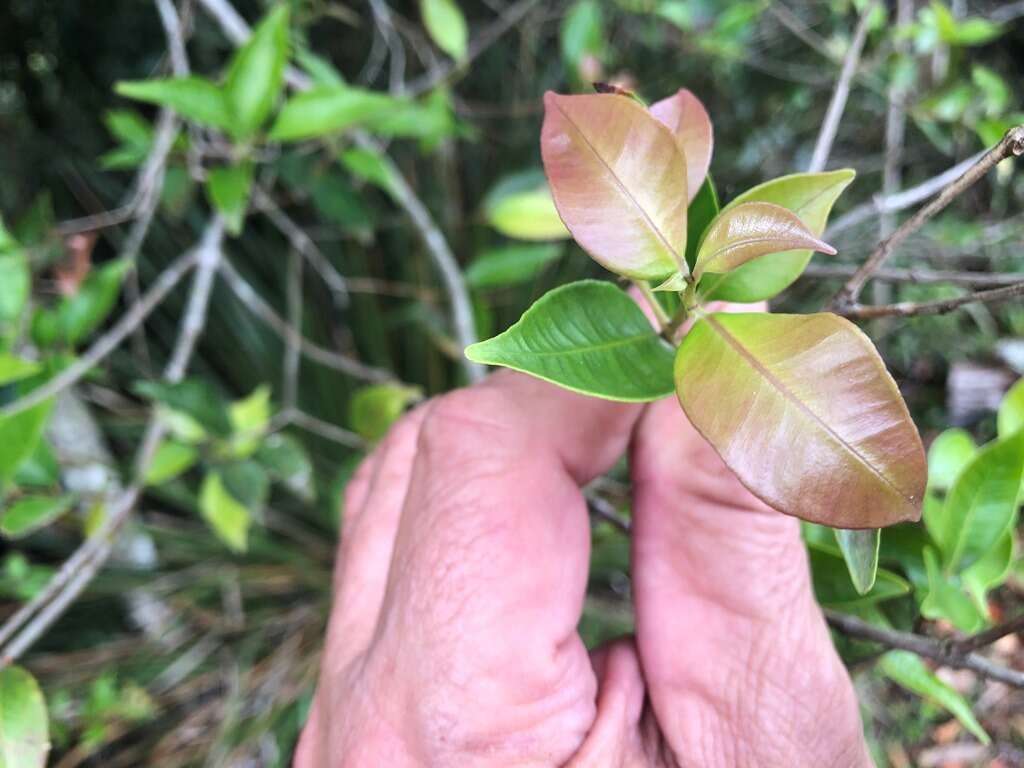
x=860, y=551
x=30, y=513
x=599, y=154
x=685, y=115
x=589, y=337
x=948, y=454
x=228, y=517
x=1011, y=410
x=328, y=109
x=24, y=728
x=374, y=409
x=446, y=25
x=702, y=211
x=760, y=387
x=256, y=73
x=229, y=188
x=521, y=207
x=510, y=265
x=194, y=98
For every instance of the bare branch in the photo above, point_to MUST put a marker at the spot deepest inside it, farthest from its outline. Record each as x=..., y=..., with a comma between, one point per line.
x=293, y=352
x=937, y=307
x=942, y=652
x=1012, y=144
x=110, y=340
x=991, y=635
x=918, y=276
x=259, y=307
x=836, y=107
x=325, y=429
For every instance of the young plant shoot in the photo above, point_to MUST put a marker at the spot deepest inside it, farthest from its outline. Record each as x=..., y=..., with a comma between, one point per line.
x=800, y=407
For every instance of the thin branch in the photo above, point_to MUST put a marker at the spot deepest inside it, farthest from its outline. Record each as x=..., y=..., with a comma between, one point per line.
x=293, y=352
x=110, y=340
x=37, y=615
x=991, y=635
x=1011, y=144
x=942, y=652
x=291, y=335
x=796, y=25
x=918, y=276
x=325, y=429
x=937, y=307
x=603, y=510
x=900, y=201
x=836, y=107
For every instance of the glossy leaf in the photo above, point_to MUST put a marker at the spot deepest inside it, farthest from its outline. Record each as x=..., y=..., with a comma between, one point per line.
x=30, y=513
x=618, y=179
x=326, y=110
x=19, y=435
x=510, y=265
x=702, y=211
x=948, y=454
x=374, y=409
x=1011, y=411
x=981, y=503
x=228, y=517
x=685, y=115
x=946, y=601
x=802, y=409
x=171, y=459
x=810, y=196
x=860, y=551
x=582, y=35
x=194, y=98
x=521, y=207
x=990, y=571
x=256, y=73
x=748, y=231
x=289, y=463
x=446, y=25
x=909, y=671
x=832, y=585
x=229, y=188
x=14, y=368
x=24, y=726
x=589, y=337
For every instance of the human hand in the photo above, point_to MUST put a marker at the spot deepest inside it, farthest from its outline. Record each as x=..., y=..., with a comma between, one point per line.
x=461, y=578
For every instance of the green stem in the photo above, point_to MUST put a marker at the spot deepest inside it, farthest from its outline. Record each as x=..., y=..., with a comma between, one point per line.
x=652, y=301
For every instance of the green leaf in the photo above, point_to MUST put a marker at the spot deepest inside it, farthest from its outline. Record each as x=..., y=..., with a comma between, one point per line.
x=252, y=413
x=370, y=166
x=699, y=215
x=833, y=587
x=15, y=285
x=589, y=337
x=228, y=188
x=446, y=26
x=326, y=110
x=431, y=119
x=374, y=409
x=256, y=73
x=288, y=462
x=909, y=671
x=990, y=571
x=13, y=368
x=948, y=454
x=759, y=387
x=1011, y=411
x=750, y=231
x=24, y=727
x=860, y=551
x=194, y=98
x=30, y=513
x=248, y=482
x=228, y=518
x=40, y=469
x=196, y=398
x=582, y=34
x=19, y=435
x=171, y=459
x=521, y=207
x=945, y=600
x=78, y=316
x=982, y=502
x=510, y=265
x=810, y=196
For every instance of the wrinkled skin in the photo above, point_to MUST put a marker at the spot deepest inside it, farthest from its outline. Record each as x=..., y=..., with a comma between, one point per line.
x=461, y=579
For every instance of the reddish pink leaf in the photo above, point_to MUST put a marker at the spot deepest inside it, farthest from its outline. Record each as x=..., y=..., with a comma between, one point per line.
x=686, y=117
x=618, y=179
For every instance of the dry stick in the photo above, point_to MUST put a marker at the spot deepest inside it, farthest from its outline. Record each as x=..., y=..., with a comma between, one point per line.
x=989, y=636
x=918, y=276
x=36, y=616
x=944, y=653
x=836, y=107
x=293, y=353
x=902, y=200
x=259, y=307
x=937, y=307
x=237, y=30
x=325, y=429
x=110, y=340
x=1011, y=144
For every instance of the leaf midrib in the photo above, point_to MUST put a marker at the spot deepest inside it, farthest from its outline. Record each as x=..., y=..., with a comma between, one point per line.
x=756, y=364
x=620, y=186
x=596, y=347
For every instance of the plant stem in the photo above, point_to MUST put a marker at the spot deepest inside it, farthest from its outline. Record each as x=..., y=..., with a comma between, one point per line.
x=652, y=301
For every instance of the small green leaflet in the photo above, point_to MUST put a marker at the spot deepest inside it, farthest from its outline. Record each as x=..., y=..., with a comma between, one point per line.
x=30, y=513
x=24, y=726
x=589, y=337
x=860, y=551
x=510, y=264
x=228, y=518
x=446, y=25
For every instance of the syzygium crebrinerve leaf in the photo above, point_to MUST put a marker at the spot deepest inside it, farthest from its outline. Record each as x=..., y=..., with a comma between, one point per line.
x=810, y=196
x=685, y=115
x=743, y=233
x=803, y=410
x=860, y=551
x=618, y=178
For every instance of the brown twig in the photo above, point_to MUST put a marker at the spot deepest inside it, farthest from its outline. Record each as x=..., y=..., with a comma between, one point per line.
x=991, y=635
x=1012, y=144
x=944, y=653
x=918, y=276
x=937, y=307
